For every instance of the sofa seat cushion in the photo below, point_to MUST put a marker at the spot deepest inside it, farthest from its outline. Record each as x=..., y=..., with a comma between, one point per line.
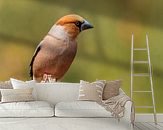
x=80, y=109
x=26, y=109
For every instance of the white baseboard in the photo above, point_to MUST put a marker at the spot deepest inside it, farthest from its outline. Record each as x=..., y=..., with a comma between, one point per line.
x=148, y=117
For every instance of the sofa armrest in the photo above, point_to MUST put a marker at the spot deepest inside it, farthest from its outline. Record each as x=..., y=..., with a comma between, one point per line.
x=126, y=119
x=127, y=112
x=128, y=108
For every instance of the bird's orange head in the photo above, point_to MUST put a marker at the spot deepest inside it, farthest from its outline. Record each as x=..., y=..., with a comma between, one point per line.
x=73, y=24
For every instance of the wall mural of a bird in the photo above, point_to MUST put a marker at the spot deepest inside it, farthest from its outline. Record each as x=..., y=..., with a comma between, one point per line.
x=55, y=53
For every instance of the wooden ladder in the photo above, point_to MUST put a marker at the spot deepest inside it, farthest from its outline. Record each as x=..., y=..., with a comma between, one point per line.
x=149, y=74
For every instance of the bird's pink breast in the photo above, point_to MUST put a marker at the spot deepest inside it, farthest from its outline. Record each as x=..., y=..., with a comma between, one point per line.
x=54, y=62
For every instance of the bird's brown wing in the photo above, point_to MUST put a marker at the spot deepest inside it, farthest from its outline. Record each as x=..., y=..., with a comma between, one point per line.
x=33, y=58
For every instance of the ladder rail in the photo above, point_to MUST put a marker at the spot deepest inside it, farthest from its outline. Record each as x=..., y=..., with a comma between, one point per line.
x=151, y=79
x=132, y=60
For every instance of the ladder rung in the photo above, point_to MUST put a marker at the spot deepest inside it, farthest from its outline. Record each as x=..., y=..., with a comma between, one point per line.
x=141, y=74
x=140, y=49
x=143, y=106
x=141, y=62
x=142, y=91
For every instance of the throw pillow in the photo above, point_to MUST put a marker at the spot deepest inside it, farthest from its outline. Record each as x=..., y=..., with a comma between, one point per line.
x=5, y=85
x=91, y=91
x=18, y=84
x=111, y=89
x=16, y=95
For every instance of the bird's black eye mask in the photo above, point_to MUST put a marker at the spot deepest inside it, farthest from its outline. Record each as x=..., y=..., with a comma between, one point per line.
x=78, y=24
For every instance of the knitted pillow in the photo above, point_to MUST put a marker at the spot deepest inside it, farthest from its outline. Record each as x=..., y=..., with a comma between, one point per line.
x=16, y=95
x=91, y=91
x=5, y=85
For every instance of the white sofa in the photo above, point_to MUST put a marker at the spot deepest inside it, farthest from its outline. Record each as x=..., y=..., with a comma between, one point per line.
x=69, y=113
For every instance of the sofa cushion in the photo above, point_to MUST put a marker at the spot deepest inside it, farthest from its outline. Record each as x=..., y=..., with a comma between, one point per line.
x=5, y=85
x=26, y=109
x=111, y=89
x=16, y=95
x=18, y=84
x=80, y=109
x=91, y=91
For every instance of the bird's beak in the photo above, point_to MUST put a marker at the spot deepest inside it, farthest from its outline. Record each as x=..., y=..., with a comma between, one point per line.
x=86, y=25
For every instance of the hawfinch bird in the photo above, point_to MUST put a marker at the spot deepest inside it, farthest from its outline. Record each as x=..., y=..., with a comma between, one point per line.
x=55, y=53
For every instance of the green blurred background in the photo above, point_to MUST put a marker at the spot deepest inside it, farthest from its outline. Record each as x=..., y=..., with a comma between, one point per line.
x=103, y=52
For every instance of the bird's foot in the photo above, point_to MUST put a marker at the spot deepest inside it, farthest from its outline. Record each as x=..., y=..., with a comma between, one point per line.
x=48, y=79
x=44, y=78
